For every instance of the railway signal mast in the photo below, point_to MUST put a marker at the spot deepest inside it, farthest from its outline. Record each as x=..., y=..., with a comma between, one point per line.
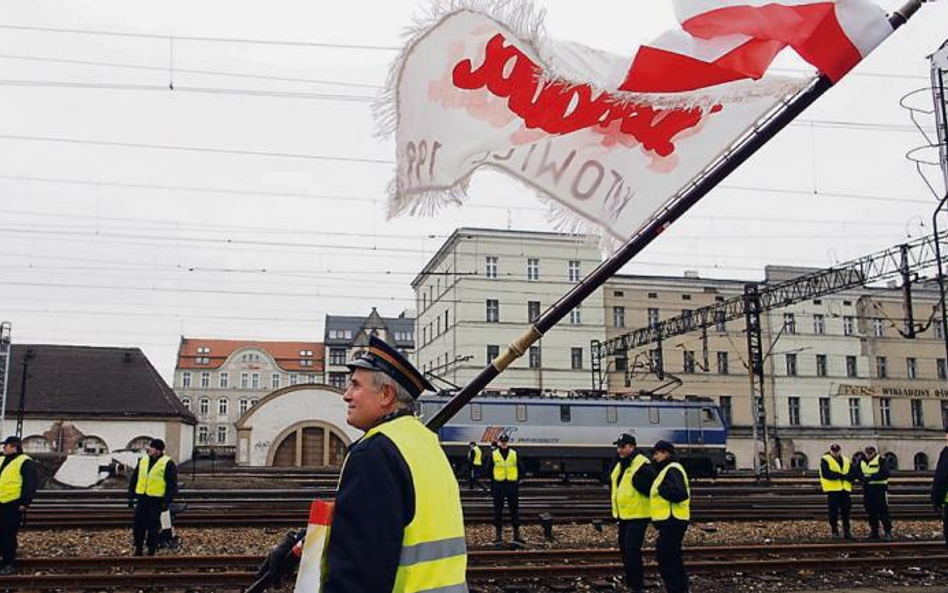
x=939, y=70
x=5, y=352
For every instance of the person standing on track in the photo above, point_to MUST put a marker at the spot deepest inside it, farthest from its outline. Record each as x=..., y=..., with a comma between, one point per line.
x=504, y=468
x=475, y=462
x=631, y=480
x=940, y=488
x=874, y=473
x=836, y=480
x=670, y=503
x=151, y=488
x=17, y=487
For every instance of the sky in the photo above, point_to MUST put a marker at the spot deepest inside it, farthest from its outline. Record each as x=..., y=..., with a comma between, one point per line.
x=210, y=169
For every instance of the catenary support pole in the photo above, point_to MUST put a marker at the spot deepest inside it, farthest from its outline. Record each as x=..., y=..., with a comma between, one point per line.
x=768, y=129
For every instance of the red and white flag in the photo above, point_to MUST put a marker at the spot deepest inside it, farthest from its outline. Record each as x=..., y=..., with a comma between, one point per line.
x=606, y=144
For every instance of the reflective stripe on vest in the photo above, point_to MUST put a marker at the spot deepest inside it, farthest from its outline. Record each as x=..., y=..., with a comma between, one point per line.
x=505, y=470
x=627, y=502
x=478, y=460
x=828, y=485
x=663, y=509
x=870, y=469
x=152, y=482
x=11, y=480
x=434, y=555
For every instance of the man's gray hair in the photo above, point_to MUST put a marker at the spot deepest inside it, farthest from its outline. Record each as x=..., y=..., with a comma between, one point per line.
x=403, y=399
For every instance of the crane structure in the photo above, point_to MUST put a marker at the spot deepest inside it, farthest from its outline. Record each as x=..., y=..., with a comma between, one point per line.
x=907, y=261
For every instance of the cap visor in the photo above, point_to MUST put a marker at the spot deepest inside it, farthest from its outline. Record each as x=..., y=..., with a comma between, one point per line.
x=361, y=363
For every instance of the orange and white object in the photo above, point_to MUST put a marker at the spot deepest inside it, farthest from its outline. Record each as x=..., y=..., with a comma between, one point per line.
x=312, y=570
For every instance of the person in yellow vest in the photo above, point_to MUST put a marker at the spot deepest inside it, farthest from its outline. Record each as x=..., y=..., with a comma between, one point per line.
x=670, y=504
x=475, y=462
x=17, y=487
x=874, y=473
x=397, y=526
x=836, y=480
x=505, y=470
x=631, y=480
x=151, y=488
x=940, y=488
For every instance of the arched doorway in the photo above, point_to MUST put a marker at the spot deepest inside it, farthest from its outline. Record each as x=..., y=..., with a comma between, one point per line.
x=799, y=461
x=91, y=445
x=36, y=444
x=893, y=460
x=921, y=461
x=310, y=444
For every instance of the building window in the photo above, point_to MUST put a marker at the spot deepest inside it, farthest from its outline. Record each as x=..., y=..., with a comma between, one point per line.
x=275, y=380
x=202, y=435
x=918, y=416
x=882, y=367
x=855, y=416
x=941, y=368
x=720, y=322
x=921, y=461
x=885, y=411
x=493, y=311
x=793, y=410
x=204, y=406
x=533, y=310
x=688, y=361
x=224, y=380
x=476, y=412
x=243, y=404
x=851, y=370
x=573, y=270
x=944, y=414
x=565, y=414
x=789, y=323
x=185, y=379
x=686, y=315
x=534, y=357
x=618, y=317
x=490, y=266
x=221, y=435
x=939, y=330
x=722, y=363
x=244, y=380
x=305, y=362
x=825, y=417
x=727, y=409
x=653, y=315
x=533, y=269
x=205, y=380
x=622, y=362
x=222, y=406
x=337, y=380
x=186, y=402
x=878, y=330
x=576, y=358
x=294, y=379
x=576, y=316
x=819, y=324
x=445, y=320
x=791, y=365
x=493, y=351
x=849, y=325
x=820, y=365
x=521, y=413
x=911, y=367
x=255, y=381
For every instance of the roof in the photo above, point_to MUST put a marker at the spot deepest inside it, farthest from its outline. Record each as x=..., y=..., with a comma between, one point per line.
x=350, y=331
x=90, y=381
x=287, y=355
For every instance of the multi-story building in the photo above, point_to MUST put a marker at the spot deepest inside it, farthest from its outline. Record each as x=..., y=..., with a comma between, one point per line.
x=219, y=380
x=344, y=335
x=482, y=290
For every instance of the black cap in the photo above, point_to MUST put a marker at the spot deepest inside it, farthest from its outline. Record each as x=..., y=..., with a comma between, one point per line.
x=157, y=444
x=381, y=357
x=504, y=438
x=664, y=446
x=834, y=447
x=870, y=449
x=12, y=440
x=624, y=439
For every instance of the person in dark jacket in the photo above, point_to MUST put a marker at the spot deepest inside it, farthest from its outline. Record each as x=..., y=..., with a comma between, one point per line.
x=836, y=480
x=631, y=479
x=874, y=474
x=151, y=488
x=670, y=502
x=504, y=469
x=18, y=483
x=940, y=489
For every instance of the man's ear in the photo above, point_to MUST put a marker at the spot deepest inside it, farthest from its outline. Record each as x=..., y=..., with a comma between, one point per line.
x=389, y=393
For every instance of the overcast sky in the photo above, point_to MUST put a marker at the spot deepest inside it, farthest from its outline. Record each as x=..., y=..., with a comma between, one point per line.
x=248, y=202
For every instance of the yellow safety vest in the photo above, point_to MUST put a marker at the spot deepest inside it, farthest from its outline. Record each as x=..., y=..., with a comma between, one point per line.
x=478, y=461
x=662, y=509
x=152, y=482
x=434, y=554
x=627, y=502
x=11, y=480
x=505, y=470
x=836, y=485
x=871, y=468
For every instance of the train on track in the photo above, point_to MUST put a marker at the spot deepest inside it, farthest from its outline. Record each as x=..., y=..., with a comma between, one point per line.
x=572, y=435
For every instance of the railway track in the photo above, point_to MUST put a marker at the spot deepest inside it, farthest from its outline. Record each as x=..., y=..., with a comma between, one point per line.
x=484, y=565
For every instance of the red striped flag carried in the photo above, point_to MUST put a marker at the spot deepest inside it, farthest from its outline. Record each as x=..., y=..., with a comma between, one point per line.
x=607, y=141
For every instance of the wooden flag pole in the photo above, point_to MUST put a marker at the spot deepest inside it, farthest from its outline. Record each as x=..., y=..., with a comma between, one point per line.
x=661, y=221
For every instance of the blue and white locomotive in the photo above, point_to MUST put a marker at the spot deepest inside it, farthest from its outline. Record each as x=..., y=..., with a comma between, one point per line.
x=573, y=435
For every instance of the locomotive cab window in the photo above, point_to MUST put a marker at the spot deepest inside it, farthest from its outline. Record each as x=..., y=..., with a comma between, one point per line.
x=564, y=413
x=653, y=415
x=707, y=415
x=476, y=412
x=521, y=413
